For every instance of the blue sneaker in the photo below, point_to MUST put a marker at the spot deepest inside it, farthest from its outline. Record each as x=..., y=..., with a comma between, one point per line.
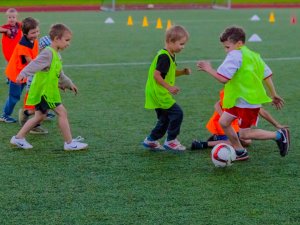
x=7, y=119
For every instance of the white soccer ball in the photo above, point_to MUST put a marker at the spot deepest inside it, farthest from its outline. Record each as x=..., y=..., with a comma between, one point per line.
x=223, y=155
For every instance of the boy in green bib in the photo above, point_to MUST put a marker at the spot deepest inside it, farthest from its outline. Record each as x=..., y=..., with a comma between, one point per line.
x=44, y=91
x=159, y=91
x=243, y=72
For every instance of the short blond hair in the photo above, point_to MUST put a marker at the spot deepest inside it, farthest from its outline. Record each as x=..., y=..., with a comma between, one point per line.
x=175, y=33
x=58, y=30
x=11, y=10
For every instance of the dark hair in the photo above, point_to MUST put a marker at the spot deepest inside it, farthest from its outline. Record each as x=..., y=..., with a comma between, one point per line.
x=175, y=33
x=28, y=24
x=233, y=34
x=58, y=30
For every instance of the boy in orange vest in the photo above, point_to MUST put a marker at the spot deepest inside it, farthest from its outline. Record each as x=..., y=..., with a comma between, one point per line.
x=11, y=33
x=24, y=52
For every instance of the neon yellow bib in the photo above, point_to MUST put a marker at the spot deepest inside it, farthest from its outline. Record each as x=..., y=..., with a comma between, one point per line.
x=46, y=83
x=247, y=82
x=156, y=95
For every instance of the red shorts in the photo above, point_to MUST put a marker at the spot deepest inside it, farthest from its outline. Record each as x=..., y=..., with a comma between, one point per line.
x=247, y=117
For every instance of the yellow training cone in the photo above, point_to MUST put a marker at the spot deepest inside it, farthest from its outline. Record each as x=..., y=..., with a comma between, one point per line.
x=129, y=21
x=159, y=24
x=145, y=21
x=169, y=24
x=272, y=18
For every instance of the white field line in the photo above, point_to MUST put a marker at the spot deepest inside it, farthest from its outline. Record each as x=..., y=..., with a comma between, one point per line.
x=148, y=63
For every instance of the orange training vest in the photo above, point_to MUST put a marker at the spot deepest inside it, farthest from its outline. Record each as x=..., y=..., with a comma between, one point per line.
x=213, y=125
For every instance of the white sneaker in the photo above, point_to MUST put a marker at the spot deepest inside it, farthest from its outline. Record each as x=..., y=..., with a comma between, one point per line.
x=153, y=145
x=174, y=145
x=75, y=146
x=21, y=143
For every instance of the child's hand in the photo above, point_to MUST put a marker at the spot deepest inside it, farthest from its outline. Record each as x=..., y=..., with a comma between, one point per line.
x=204, y=66
x=19, y=78
x=279, y=126
x=74, y=89
x=173, y=90
x=8, y=32
x=187, y=71
x=278, y=102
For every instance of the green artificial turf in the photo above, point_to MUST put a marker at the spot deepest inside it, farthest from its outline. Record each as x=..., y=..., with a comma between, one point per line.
x=117, y=181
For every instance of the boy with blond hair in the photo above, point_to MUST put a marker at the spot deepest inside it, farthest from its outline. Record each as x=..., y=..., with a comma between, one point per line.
x=160, y=88
x=44, y=92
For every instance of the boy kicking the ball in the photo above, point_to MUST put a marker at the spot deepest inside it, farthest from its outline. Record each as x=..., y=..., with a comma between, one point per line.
x=243, y=72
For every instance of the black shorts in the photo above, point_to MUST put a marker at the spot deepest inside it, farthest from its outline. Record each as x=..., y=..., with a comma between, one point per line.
x=43, y=106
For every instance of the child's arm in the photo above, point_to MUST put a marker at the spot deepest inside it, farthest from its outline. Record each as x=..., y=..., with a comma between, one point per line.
x=218, y=108
x=185, y=71
x=172, y=89
x=4, y=30
x=277, y=101
x=66, y=82
x=41, y=62
x=267, y=116
x=206, y=67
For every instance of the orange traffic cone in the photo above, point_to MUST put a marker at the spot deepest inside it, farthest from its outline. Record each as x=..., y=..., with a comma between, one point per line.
x=145, y=22
x=129, y=21
x=169, y=24
x=272, y=17
x=159, y=24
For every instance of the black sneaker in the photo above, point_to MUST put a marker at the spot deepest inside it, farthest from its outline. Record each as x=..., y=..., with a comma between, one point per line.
x=212, y=138
x=284, y=142
x=241, y=155
x=197, y=145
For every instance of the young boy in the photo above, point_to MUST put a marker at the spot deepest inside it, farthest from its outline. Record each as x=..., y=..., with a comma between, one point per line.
x=243, y=72
x=44, y=89
x=28, y=110
x=160, y=87
x=24, y=52
x=12, y=33
x=218, y=136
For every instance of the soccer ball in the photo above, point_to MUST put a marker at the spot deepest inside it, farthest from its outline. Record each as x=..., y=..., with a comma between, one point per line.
x=223, y=155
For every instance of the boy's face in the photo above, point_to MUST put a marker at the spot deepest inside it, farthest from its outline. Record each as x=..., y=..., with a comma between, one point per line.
x=33, y=34
x=12, y=18
x=177, y=46
x=64, y=41
x=229, y=46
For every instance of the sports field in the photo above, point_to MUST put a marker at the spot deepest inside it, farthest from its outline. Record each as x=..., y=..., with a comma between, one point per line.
x=118, y=182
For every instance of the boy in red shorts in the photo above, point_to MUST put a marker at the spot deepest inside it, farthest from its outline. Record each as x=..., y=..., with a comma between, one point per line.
x=243, y=72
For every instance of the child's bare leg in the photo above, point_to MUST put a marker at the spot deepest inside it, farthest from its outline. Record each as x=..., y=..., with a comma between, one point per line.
x=31, y=123
x=63, y=123
x=225, y=122
x=257, y=134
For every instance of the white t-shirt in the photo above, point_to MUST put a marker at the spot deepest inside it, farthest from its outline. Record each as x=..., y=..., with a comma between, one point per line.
x=229, y=67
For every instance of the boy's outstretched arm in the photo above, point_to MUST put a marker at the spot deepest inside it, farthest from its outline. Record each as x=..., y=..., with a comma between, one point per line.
x=206, y=67
x=185, y=71
x=268, y=117
x=277, y=101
